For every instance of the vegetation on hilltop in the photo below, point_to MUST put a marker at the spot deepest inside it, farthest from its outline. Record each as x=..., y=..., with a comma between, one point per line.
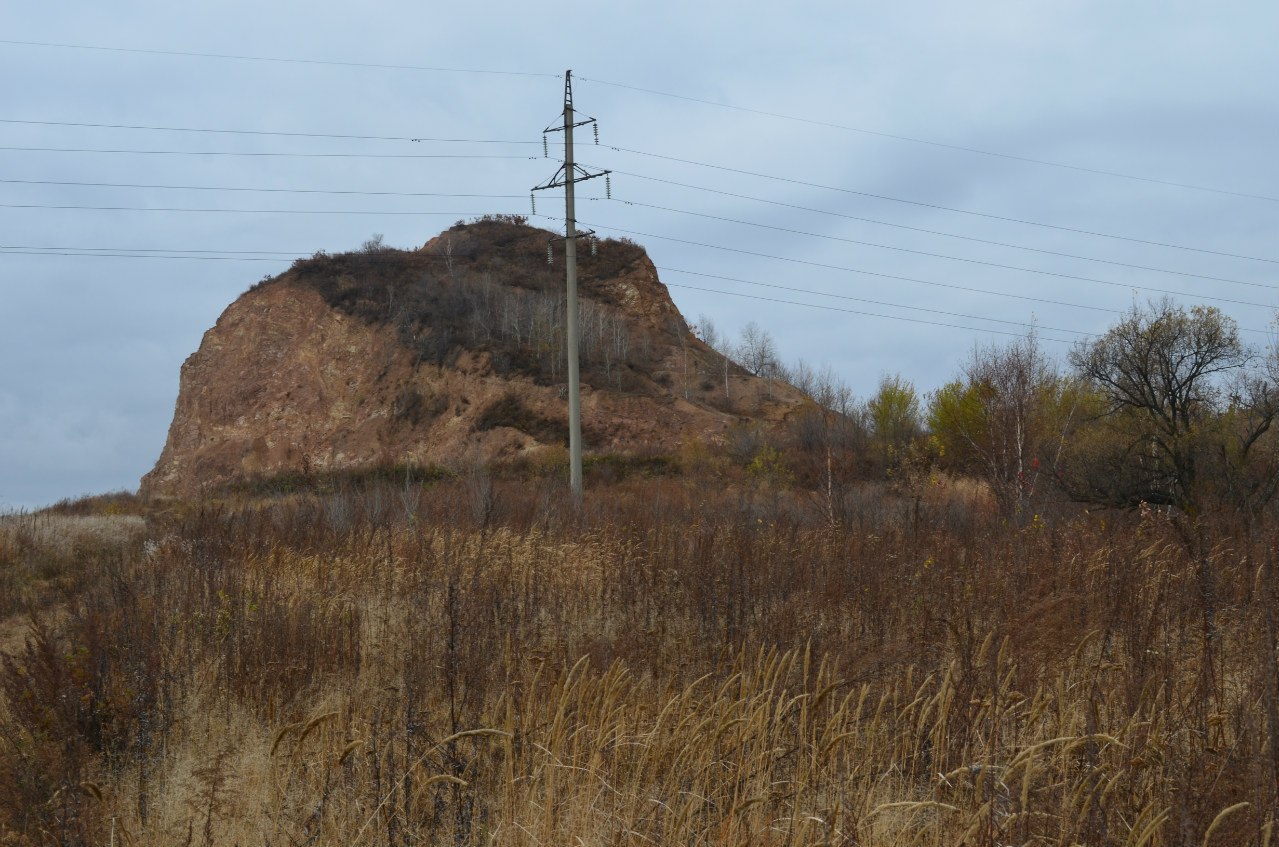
x=485, y=286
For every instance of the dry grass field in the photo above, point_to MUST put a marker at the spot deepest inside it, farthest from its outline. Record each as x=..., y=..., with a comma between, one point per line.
x=683, y=663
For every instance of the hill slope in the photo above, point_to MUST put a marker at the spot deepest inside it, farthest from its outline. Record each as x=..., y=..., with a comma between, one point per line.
x=447, y=354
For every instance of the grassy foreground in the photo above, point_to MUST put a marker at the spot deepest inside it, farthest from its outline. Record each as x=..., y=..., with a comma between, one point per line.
x=678, y=665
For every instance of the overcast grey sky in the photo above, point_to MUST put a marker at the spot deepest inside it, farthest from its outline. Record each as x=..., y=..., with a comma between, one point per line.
x=90, y=346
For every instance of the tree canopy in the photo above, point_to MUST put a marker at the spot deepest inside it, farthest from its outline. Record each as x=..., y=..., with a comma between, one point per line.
x=1186, y=410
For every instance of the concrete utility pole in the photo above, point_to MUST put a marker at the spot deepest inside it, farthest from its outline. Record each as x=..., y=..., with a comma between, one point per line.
x=570, y=270
x=567, y=176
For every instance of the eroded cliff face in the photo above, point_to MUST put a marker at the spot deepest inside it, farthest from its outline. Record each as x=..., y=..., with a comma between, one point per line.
x=442, y=356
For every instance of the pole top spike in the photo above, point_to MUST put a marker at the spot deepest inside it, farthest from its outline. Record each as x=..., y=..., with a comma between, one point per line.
x=568, y=88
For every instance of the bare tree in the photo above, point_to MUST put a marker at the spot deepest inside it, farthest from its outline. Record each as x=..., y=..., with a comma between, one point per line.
x=680, y=330
x=1006, y=419
x=832, y=431
x=1186, y=407
x=719, y=343
x=802, y=376
x=757, y=351
x=706, y=330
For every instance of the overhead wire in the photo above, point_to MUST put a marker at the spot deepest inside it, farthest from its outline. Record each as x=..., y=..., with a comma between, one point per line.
x=716, y=104
x=629, y=87
x=282, y=60
x=661, y=208
x=358, y=257
x=206, y=254
x=861, y=312
x=281, y=256
x=258, y=189
x=690, y=186
x=200, y=256
x=845, y=269
x=627, y=173
x=942, y=233
x=849, y=297
x=861, y=271
x=241, y=211
x=948, y=257
x=669, y=182
x=256, y=132
x=270, y=154
x=290, y=253
x=939, y=207
x=259, y=255
x=932, y=143
x=670, y=209
x=7, y=251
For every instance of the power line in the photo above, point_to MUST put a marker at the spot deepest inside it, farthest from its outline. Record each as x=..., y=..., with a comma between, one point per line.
x=207, y=255
x=859, y=312
x=946, y=256
x=865, y=300
x=238, y=211
x=291, y=155
x=941, y=208
x=510, y=196
x=667, y=182
x=777, y=115
x=939, y=232
x=259, y=256
x=944, y=145
x=292, y=253
x=889, y=198
x=283, y=256
x=190, y=54
x=7, y=251
x=255, y=189
x=266, y=133
x=890, y=276
x=824, y=266
x=643, y=177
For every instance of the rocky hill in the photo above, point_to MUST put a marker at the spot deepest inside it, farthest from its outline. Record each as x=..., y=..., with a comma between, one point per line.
x=444, y=355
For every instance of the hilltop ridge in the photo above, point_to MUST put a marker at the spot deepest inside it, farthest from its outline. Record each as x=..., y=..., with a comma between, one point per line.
x=448, y=354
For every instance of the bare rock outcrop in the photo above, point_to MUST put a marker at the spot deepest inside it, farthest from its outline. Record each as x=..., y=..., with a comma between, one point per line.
x=447, y=354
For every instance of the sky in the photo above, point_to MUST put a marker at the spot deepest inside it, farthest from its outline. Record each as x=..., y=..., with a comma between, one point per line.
x=906, y=176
